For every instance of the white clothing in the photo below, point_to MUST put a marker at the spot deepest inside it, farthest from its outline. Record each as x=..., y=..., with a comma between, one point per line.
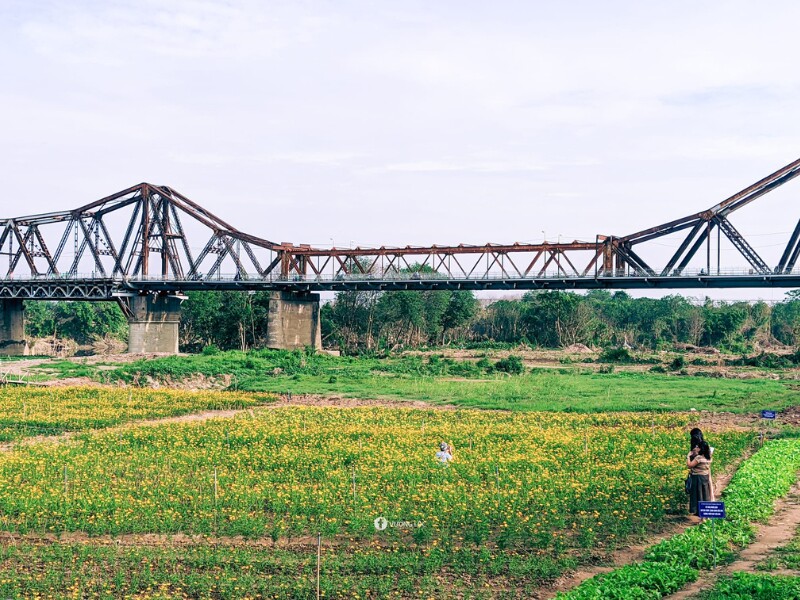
x=443, y=456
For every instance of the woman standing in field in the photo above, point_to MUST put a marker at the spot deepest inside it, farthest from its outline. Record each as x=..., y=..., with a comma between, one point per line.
x=695, y=439
x=699, y=464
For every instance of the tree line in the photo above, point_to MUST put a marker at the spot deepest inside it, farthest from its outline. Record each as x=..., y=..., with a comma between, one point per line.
x=356, y=322
x=553, y=319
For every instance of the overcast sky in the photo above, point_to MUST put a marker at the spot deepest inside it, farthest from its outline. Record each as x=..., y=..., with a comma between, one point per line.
x=406, y=122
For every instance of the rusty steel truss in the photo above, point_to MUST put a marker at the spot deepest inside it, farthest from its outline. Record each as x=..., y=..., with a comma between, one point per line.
x=151, y=238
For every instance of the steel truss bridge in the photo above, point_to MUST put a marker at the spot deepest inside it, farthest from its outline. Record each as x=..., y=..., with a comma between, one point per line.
x=153, y=239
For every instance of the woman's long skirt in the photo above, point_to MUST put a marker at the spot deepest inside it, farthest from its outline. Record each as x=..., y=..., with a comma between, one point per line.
x=701, y=492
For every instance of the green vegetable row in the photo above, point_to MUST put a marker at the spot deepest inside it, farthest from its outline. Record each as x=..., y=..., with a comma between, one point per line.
x=673, y=563
x=747, y=586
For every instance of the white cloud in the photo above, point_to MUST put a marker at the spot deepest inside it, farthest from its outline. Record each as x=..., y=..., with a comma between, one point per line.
x=459, y=166
x=121, y=33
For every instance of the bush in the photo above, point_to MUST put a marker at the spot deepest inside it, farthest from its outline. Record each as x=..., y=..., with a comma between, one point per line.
x=616, y=355
x=766, y=360
x=484, y=365
x=210, y=350
x=512, y=364
x=677, y=363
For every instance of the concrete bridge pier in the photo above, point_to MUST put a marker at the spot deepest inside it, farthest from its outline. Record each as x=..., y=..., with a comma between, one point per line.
x=294, y=321
x=153, y=324
x=12, y=328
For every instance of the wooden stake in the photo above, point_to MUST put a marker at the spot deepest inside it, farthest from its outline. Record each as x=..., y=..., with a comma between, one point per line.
x=216, y=495
x=215, y=501
x=319, y=558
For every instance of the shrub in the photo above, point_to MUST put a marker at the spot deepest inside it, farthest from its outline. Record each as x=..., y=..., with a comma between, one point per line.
x=484, y=365
x=512, y=364
x=677, y=363
x=766, y=360
x=616, y=355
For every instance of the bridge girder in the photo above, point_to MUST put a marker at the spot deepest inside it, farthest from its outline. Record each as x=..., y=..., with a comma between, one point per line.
x=152, y=238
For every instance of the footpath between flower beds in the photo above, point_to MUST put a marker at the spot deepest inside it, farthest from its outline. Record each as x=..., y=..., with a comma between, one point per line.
x=673, y=563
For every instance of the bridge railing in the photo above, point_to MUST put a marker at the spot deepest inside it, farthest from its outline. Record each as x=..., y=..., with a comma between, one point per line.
x=386, y=276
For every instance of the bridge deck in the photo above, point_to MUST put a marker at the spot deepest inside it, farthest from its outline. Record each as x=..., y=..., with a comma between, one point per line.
x=98, y=288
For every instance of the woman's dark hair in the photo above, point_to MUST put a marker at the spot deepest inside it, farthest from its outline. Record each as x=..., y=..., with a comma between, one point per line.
x=705, y=450
x=696, y=438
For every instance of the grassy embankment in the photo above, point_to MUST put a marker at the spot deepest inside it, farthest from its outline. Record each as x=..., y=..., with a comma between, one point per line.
x=477, y=384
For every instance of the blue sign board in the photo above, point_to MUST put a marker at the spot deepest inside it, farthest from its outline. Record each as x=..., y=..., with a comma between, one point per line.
x=768, y=414
x=711, y=510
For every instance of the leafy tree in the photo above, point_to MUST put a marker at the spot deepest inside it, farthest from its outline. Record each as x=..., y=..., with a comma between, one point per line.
x=722, y=322
x=554, y=319
x=83, y=322
x=40, y=319
x=501, y=322
x=461, y=309
x=227, y=320
x=199, y=317
x=349, y=321
x=786, y=319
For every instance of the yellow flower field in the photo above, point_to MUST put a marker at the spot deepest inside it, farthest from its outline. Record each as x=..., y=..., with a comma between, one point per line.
x=532, y=480
x=50, y=411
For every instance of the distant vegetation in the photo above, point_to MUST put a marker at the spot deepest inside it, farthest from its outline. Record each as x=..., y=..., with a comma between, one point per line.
x=83, y=322
x=379, y=322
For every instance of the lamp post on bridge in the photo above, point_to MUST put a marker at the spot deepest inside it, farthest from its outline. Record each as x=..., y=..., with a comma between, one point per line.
x=558, y=256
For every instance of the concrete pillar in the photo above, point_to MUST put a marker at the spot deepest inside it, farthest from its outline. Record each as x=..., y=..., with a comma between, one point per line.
x=154, y=324
x=12, y=328
x=293, y=321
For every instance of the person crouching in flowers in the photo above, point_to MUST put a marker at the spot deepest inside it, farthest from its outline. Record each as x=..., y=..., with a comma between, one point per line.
x=699, y=463
x=444, y=455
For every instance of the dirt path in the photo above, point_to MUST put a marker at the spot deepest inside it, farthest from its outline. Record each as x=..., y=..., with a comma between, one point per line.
x=20, y=367
x=636, y=552
x=776, y=533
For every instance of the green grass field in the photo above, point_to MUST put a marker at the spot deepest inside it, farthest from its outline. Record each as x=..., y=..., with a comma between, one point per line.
x=553, y=391
x=476, y=384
